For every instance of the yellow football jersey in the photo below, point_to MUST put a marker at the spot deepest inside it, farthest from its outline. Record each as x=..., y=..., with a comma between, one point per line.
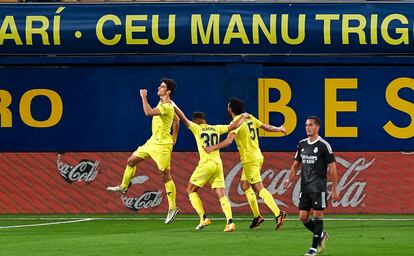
x=208, y=135
x=247, y=139
x=161, y=124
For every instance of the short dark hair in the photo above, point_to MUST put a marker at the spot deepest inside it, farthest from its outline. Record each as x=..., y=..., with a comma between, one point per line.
x=236, y=105
x=171, y=85
x=201, y=115
x=316, y=119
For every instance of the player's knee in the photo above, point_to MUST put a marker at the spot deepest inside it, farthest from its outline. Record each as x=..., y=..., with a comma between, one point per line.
x=131, y=162
x=244, y=185
x=165, y=177
x=219, y=192
x=190, y=190
x=258, y=187
x=318, y=214
x=303, y=218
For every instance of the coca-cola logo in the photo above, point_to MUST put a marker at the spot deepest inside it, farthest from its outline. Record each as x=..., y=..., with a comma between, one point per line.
x=352, y=192
x=84, y=171
x=149, y=199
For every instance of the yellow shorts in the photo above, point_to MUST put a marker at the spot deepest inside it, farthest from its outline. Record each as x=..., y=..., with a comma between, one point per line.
x=211, y=172
x=251, y=171
x=160, y=153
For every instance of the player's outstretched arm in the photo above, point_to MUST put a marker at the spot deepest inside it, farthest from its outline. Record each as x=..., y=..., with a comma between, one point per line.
x=292, y=177
x=175, y=128
x=223, y=144
x=238, y=122
x=333, y=174
x=181, y=115
x=146, y=106
x=271, y=128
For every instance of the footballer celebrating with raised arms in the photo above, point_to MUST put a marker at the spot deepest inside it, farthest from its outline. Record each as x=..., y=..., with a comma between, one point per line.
x=252, y=160
x=210, y=166
x=160, y=145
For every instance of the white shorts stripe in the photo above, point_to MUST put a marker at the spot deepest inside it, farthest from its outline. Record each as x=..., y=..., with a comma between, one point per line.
x=323, y=200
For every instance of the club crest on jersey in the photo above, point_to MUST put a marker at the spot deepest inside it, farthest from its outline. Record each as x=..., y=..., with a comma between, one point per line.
x=315, y=150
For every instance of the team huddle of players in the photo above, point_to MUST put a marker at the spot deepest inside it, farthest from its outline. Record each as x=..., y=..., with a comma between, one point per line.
x=243, y=129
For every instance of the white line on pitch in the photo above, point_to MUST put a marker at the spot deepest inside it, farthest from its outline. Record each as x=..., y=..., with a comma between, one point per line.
x=47, y=224
x=190, y=219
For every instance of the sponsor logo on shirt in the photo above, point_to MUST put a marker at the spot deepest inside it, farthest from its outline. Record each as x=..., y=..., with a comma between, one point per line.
x=308, y=159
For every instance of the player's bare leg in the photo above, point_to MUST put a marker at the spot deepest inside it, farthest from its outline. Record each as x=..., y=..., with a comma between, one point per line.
x=170, y=190
x=254, y=206
x=280, y=216
x=198, y=206
x=225, y=206
x=129, y=174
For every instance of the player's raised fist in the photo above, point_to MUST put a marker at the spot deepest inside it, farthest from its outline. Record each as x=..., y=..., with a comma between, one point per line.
x=143, y=92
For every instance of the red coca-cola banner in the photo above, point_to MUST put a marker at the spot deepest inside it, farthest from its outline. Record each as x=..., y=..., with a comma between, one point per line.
x=374, y=182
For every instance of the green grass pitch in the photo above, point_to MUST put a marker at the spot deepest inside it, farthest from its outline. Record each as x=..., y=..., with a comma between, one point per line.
x=147, y=235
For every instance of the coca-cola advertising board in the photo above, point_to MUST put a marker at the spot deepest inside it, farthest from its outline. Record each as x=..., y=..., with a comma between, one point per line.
x=374, y=182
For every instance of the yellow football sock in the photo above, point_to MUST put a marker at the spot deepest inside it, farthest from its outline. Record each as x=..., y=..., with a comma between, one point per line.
x=251, y=198
x=197, y=205
x=129, y=173
x=225, y=206
x=170, y=191
x=269, y=201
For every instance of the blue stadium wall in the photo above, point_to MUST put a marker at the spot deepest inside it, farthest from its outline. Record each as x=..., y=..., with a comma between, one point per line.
x=71, y=74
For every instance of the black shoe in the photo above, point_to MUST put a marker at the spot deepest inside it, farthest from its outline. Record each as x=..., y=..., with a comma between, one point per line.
x=280, y=219
x=256, y=222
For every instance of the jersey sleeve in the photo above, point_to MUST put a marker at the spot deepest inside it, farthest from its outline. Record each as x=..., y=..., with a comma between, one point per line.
x=222, y=129
x=297, y=155
x=193, y=127
x=257, y=122
x=328, y=154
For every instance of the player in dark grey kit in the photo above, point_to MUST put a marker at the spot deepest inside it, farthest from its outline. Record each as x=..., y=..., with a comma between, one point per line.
x=315, y=156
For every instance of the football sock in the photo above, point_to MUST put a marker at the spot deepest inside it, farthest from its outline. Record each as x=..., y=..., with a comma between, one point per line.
x=310, y=225
x=170, y=191
x=269, y=201
x=225, y=206
x=197, y=205
x=129, y=173
x=317, y=232
x=251, y=198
